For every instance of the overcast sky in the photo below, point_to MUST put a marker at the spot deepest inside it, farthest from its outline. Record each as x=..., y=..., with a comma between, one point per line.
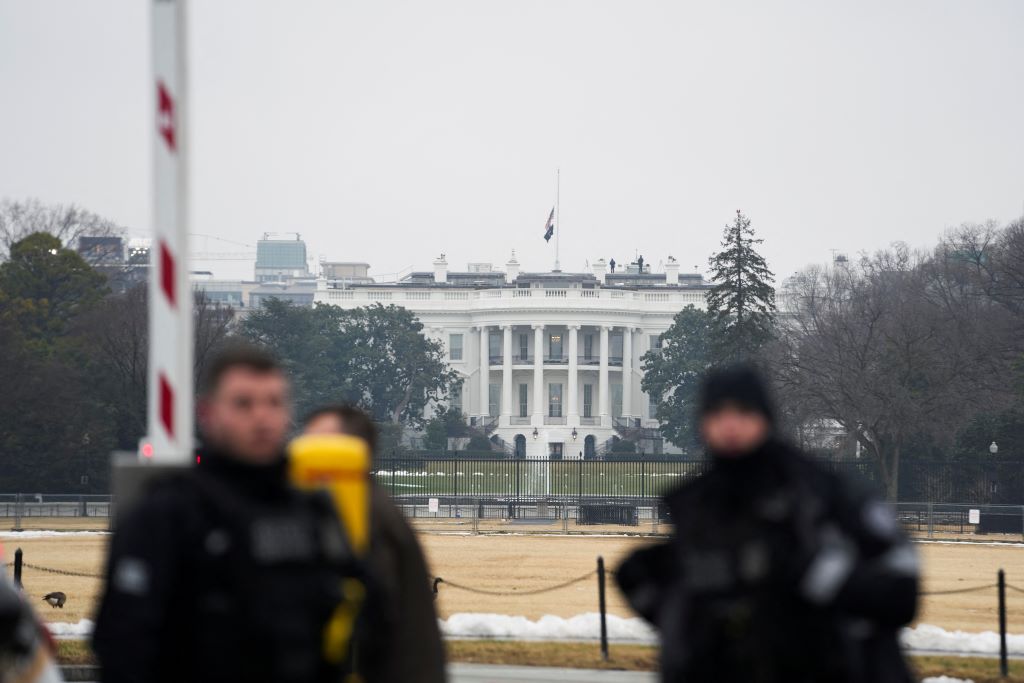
x=389, y=132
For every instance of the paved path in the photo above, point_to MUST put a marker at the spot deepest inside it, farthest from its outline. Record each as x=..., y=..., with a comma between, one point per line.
x=484, y=673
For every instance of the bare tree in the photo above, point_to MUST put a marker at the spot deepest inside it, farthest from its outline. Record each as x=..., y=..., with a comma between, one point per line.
x=989, y=260
x=889, y=347
x=19, y=219
x=118, y=334
x=212, y=325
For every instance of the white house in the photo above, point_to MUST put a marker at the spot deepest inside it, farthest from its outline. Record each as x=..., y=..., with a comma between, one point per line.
x=550, y=361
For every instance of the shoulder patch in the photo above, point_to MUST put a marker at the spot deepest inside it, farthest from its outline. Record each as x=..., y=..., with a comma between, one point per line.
x=880, y=520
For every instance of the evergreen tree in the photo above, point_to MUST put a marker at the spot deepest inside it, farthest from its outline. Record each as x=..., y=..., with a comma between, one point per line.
x=673, y=373
x=742, y=300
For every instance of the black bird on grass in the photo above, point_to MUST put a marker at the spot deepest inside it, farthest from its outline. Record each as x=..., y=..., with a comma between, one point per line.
x=56, y=599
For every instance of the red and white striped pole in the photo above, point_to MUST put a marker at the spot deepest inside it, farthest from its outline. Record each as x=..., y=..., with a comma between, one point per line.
x=170, y=292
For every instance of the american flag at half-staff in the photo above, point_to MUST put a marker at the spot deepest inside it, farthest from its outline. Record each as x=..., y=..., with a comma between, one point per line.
x=549, y=227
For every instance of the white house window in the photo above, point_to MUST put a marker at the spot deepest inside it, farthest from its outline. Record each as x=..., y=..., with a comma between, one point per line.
x=616, y=400
x=493, y=399
x=554, y=400
x=555, y=347
x=524, y=403
x=615, y=343
x=494, y=348
x=655, y=342
x=524, y=347
x=588, y=400
x=652, y=407
x=455, y=399
x=455, y=347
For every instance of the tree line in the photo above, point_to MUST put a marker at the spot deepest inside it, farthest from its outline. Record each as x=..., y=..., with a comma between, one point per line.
x=892, y=355
x=73, y=367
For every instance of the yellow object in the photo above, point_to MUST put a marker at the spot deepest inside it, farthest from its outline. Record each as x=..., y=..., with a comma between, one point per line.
x=341, y=465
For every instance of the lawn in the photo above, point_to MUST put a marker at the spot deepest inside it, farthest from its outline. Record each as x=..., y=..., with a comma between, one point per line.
x=528, y=478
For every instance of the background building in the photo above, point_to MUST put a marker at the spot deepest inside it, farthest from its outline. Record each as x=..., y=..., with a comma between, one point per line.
x=550, y=361
x=281, y=260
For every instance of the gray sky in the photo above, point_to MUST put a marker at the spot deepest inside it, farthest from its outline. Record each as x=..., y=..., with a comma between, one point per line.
x=389, y=132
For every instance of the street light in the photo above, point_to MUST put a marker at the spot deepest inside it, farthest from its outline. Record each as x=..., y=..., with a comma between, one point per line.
x=574, y=434
x=535, y=433
x=993, y=448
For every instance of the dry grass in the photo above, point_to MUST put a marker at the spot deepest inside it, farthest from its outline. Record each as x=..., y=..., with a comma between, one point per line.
x=621, y=657
x=951, y=567
x=83, y=554
x=570, y=655
x=509, y=563
x=59, y=523
x=529, y=562
x=75, y=653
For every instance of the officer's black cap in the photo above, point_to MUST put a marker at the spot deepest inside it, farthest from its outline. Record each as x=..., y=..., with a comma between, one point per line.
x=741, y=385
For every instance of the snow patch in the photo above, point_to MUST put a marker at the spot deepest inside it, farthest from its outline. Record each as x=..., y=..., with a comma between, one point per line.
x=63, y=629
x=47, y=533
x=635, y=630
x=926, y=637
x=580, y=627
x=946, y=679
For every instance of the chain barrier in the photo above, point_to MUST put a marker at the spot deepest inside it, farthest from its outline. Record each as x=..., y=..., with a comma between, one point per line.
x=961, y=590
x=62, y=572
x=534, y=591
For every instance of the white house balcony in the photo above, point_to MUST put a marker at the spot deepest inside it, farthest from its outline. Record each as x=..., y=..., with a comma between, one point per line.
x=501, y=299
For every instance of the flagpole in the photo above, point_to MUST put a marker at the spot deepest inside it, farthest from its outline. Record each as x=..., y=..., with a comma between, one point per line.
x=558, y=220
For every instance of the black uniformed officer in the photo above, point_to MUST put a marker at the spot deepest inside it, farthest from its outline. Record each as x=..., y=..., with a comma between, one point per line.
x=226, y=573
x=778, y=571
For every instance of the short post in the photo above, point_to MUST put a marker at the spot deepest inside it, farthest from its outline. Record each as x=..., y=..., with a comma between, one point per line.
x=17, y=513
x=18, y=559
x=1003, y=666
x=931, y=520
x=601, y=607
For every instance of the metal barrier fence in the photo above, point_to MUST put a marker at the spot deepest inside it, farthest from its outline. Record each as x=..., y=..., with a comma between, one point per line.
x=525, y=480
x=468, y=515
x=491, y=515
x=974, y=482
x=24, y=506
x=569, y=494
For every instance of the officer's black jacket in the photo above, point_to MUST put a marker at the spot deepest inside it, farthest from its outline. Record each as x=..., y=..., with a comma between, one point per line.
x=777, y=572
x=224, y=573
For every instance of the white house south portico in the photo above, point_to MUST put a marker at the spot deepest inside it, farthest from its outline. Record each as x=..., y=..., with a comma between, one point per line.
x=550, y=361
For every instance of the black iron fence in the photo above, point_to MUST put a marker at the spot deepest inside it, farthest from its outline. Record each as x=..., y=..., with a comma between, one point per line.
x=991, y=482
x=533, y=479
x=985, y=483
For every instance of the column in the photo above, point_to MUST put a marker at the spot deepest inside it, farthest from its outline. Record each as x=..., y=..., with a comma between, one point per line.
x=538, y=375
x=627, y=371
x=506, y=376
x=573, y=413
x=604, y=400
x=485, y=373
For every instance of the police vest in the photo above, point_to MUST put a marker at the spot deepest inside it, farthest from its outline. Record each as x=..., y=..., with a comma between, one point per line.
x=269, y=577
